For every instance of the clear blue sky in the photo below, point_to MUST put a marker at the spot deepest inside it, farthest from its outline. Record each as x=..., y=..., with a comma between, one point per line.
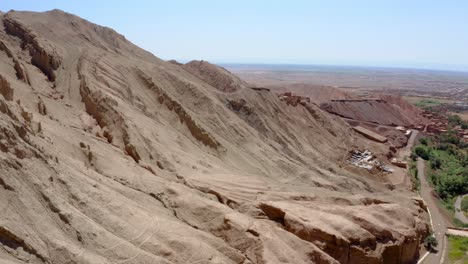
x=407, y=33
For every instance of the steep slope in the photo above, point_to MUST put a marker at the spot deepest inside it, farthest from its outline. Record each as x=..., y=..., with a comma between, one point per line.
x=402, y=104
x=111, y=155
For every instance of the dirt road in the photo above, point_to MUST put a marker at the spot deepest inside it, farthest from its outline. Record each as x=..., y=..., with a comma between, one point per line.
x=438, y=221
x=406, y=151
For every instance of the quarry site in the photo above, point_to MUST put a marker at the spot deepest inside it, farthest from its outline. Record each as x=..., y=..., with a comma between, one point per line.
x=112, y=155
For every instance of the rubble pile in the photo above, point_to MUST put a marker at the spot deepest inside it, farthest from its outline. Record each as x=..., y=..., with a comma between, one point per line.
x=366, y=160
x=362, y=159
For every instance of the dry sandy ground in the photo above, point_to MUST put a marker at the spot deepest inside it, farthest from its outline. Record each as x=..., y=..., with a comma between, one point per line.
x=111, y=155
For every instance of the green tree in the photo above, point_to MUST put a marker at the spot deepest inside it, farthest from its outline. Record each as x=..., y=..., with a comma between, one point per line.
x=422, y=152
x=450, y=137
x=454, y=120
x=442, y=146
x=435, y=162
x=431, y=241
x=423, y=141
x=464, y=125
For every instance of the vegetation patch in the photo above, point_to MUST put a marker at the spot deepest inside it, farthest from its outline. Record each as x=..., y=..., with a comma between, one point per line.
x=447, y=157
x=448, y=164
x=427, y=103
x=458, y=249
x=448, y=173
x=431, y=242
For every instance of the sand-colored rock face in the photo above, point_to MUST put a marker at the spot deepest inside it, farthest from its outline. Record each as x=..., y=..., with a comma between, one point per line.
x=110, y=155
x=5, y=89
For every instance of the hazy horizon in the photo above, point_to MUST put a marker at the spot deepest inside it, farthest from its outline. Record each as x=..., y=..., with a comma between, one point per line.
x=307, y=67
x=428, y=80
x=396, y=34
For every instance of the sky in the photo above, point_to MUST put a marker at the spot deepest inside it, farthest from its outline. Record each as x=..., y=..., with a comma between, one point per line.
x=386, y=33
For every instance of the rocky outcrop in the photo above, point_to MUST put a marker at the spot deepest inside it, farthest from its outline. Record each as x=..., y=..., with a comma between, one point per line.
x=311, y=93
x=92, y=108
x=12, y=241
x=184, y=117
x=5, y=89
x=102, y=109
x=16, y=130
x=4, y=48
x=132, y=152
x=294, y=100
x=40, y=57
x=215, y=76
x=349, y=238
x=41, y=107
x=20, y=72
x=247, y=113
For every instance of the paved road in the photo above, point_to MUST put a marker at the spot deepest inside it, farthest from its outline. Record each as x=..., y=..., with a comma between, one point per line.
x=458, y=212
x=438, y=221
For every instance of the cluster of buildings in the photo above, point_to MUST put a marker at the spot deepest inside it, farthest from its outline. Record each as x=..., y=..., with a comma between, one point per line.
x=439, y=124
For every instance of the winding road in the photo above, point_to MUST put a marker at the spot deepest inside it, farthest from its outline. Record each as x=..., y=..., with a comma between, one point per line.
x=438, y=222
x=437, y=219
